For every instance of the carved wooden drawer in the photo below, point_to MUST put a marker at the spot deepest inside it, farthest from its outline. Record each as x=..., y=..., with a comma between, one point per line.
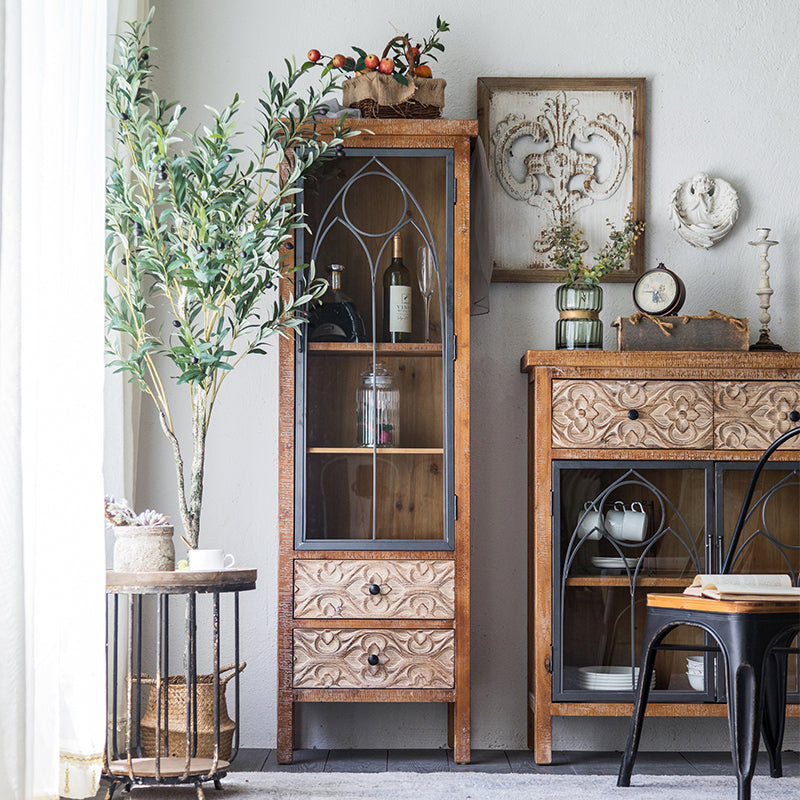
x=374, y=589
x=748, y=415
x=353, y=658
x=632, y=413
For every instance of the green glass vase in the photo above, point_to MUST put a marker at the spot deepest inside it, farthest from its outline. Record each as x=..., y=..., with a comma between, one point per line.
x=579, y=326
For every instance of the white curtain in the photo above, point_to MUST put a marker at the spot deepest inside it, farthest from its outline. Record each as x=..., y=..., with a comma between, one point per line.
x=52, y=694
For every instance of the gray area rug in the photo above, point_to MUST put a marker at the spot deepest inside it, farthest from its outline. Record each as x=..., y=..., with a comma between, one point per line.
x=471, y=786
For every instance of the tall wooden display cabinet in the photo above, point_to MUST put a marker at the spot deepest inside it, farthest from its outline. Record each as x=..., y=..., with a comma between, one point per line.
x=374, y=514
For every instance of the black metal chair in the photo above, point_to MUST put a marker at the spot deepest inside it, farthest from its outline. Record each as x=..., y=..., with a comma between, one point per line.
x=754, y=640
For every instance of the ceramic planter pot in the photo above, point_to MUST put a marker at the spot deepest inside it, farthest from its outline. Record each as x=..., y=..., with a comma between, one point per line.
x=579, y=326
x=143, y=548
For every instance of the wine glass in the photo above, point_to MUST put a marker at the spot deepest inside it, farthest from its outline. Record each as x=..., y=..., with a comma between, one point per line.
x=426, y=277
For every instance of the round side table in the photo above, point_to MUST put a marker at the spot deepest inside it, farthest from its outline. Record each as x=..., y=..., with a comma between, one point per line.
x=185, y=735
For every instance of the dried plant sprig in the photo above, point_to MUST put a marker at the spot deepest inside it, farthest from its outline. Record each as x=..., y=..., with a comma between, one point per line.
x=567, y=247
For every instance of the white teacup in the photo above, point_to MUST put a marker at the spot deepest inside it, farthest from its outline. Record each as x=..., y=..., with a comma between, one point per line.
x=210, y=560
x=591, y=521
x=634, y=523
x=614, y=519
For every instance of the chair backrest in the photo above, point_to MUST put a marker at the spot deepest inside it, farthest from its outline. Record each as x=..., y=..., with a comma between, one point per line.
x=748, y=498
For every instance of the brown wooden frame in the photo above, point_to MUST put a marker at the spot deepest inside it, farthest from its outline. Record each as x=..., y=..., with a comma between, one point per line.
x=542, y=368
x=449, y=134
x=489, y=87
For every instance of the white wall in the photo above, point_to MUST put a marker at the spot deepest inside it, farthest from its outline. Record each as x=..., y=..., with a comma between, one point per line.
x=722, y=80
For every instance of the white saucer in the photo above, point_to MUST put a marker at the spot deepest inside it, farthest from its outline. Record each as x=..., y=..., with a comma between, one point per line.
x=609, y=562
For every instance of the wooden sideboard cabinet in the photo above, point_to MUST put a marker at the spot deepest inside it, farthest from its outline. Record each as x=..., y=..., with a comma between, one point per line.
x=677, y=433
x=374, y=522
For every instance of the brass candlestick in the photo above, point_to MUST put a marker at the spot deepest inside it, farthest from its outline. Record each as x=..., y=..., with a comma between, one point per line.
x=764, y=292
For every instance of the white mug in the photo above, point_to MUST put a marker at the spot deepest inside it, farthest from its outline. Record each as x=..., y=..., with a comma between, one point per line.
x=210, y=560
x=614, y=519
x=591, y=521
x=634, y=523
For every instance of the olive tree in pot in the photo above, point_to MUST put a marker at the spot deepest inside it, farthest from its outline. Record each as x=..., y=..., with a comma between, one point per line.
x=197, y=233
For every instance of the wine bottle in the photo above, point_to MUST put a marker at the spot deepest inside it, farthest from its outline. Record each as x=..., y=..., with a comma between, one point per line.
x=397, y=297
x=336, y=318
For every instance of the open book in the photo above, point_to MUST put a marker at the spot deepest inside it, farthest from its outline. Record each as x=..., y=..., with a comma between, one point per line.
x=744, y=587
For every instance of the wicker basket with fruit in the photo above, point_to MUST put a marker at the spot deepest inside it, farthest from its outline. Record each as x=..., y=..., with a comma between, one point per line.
x=399, y=84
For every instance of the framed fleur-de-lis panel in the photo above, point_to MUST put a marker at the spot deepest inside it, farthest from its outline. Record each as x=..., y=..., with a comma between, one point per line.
x=561, y=150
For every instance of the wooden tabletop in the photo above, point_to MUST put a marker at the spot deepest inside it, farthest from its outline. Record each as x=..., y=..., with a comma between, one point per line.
x=180, y=581
x=689, y=602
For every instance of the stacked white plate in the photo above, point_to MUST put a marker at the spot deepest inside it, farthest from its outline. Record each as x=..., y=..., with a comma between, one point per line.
x=604, y=562
x=608, y=679
x=695, y=672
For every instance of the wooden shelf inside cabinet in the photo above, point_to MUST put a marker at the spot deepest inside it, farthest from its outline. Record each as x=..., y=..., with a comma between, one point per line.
x=382, y=349
x=622, y=580
x=365, y=451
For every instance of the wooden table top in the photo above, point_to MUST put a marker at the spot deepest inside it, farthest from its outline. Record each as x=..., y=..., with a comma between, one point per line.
x=180, y=581
x=688, y=602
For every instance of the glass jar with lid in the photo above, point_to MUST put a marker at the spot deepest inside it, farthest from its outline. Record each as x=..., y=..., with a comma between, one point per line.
x=378, y=408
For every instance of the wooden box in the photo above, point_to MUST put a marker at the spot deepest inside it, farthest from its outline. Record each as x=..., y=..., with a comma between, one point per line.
x=642, y=332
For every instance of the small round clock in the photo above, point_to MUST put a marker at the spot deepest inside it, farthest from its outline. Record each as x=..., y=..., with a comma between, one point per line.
x=659, y=292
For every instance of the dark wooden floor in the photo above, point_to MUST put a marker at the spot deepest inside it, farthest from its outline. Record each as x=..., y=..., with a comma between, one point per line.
x=569, y=763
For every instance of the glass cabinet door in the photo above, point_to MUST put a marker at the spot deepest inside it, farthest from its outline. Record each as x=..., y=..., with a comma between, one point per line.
x=621, y=530
x=374, y=465
x=770, y=539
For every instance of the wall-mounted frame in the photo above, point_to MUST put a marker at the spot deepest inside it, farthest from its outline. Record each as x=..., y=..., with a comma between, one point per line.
x=561, y=150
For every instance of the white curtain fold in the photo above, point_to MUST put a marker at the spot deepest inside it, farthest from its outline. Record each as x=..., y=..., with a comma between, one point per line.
x=51, y=398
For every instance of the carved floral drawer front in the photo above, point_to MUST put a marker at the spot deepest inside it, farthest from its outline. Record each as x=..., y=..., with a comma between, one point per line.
x=657, y=414
x=748, y=415
x=377, y=589
x=352, y=658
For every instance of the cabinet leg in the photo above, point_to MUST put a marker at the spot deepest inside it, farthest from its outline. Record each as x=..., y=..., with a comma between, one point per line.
x=285, y=747
x=541, y=727
x=451, y=724
x=461, y=745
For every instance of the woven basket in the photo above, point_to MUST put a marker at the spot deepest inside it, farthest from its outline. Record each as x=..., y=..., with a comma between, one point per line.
x=175, y=687
x=407, y=109
x=381, y=96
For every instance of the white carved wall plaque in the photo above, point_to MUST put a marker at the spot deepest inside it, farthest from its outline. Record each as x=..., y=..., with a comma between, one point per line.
x=560, y=151
x=703, y=210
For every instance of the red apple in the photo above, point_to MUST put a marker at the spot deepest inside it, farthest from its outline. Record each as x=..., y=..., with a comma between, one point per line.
x=386, y=66
x=372, y=61
x=314, y=56
x=338, y=61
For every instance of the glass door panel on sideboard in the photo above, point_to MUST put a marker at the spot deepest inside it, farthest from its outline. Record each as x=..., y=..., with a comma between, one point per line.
x=374, y=520
x=603, y=567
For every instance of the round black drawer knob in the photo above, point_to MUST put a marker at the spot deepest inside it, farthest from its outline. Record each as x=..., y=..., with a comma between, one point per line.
x=374, y=588
x=794, y=416
x=373, y=660
x=633, y=414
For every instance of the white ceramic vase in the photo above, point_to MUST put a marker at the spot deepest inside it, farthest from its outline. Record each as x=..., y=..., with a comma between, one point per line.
x=143, y=548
